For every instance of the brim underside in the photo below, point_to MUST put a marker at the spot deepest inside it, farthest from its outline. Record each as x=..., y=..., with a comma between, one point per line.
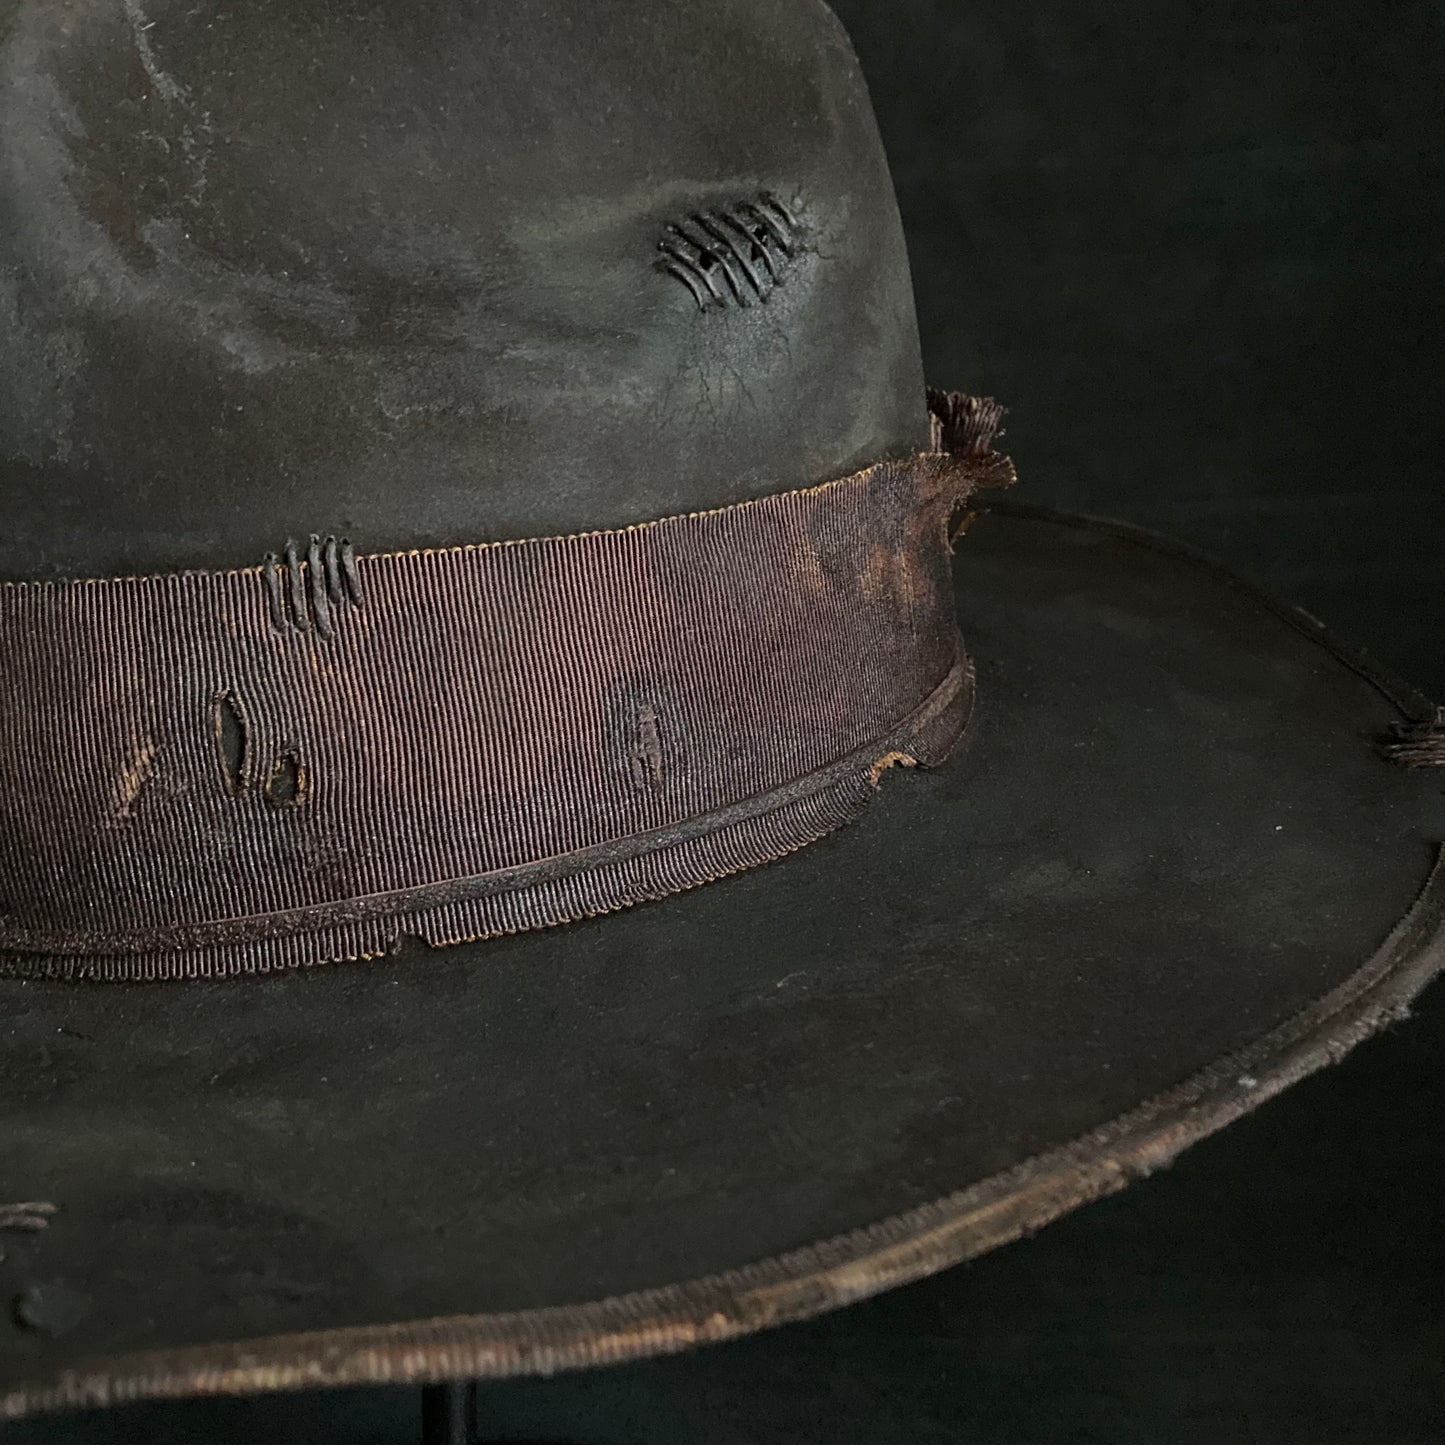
x=1169, y=875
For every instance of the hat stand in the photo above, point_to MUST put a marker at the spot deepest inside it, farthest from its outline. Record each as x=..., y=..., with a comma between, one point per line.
x=449, y=1414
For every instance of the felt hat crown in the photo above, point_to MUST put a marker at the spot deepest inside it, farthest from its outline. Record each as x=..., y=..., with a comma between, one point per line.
x=434, y=272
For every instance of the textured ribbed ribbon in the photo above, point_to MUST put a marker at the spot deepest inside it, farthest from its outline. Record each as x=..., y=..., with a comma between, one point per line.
x=217, y=773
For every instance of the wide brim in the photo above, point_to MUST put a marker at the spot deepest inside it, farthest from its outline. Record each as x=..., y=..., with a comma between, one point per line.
x=1169, y=874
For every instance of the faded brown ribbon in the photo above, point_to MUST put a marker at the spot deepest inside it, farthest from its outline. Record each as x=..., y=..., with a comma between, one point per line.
x=209, y=774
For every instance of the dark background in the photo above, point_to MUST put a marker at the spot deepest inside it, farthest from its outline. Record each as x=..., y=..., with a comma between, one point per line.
x=1198, y=249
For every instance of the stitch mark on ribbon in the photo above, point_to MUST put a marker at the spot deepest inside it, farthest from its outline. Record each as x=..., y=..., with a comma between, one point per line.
x=305, y=592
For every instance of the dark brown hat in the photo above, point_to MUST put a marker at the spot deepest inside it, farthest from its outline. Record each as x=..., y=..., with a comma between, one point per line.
x=467, y=472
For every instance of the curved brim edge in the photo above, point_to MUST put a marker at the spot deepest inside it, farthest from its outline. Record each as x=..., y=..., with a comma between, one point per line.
x=808, y=1281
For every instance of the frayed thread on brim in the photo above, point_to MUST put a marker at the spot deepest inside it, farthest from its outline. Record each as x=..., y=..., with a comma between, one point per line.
x=1417, y=744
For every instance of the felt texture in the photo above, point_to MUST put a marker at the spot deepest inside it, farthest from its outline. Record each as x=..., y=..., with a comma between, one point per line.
x=212, y=1173
x=936, y=994
x=275, y=267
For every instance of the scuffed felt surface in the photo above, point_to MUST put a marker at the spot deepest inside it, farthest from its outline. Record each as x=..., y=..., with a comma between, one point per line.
x=387, y=268
x=1169, y=833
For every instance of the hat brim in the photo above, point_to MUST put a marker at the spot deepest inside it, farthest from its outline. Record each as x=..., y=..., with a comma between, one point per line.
x=1169, y=875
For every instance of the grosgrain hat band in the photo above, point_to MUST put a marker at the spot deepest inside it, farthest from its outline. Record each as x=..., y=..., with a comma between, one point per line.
x=217, y=773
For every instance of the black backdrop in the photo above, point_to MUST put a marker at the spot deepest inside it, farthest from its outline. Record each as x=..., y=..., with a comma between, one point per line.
x=1198, y=249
